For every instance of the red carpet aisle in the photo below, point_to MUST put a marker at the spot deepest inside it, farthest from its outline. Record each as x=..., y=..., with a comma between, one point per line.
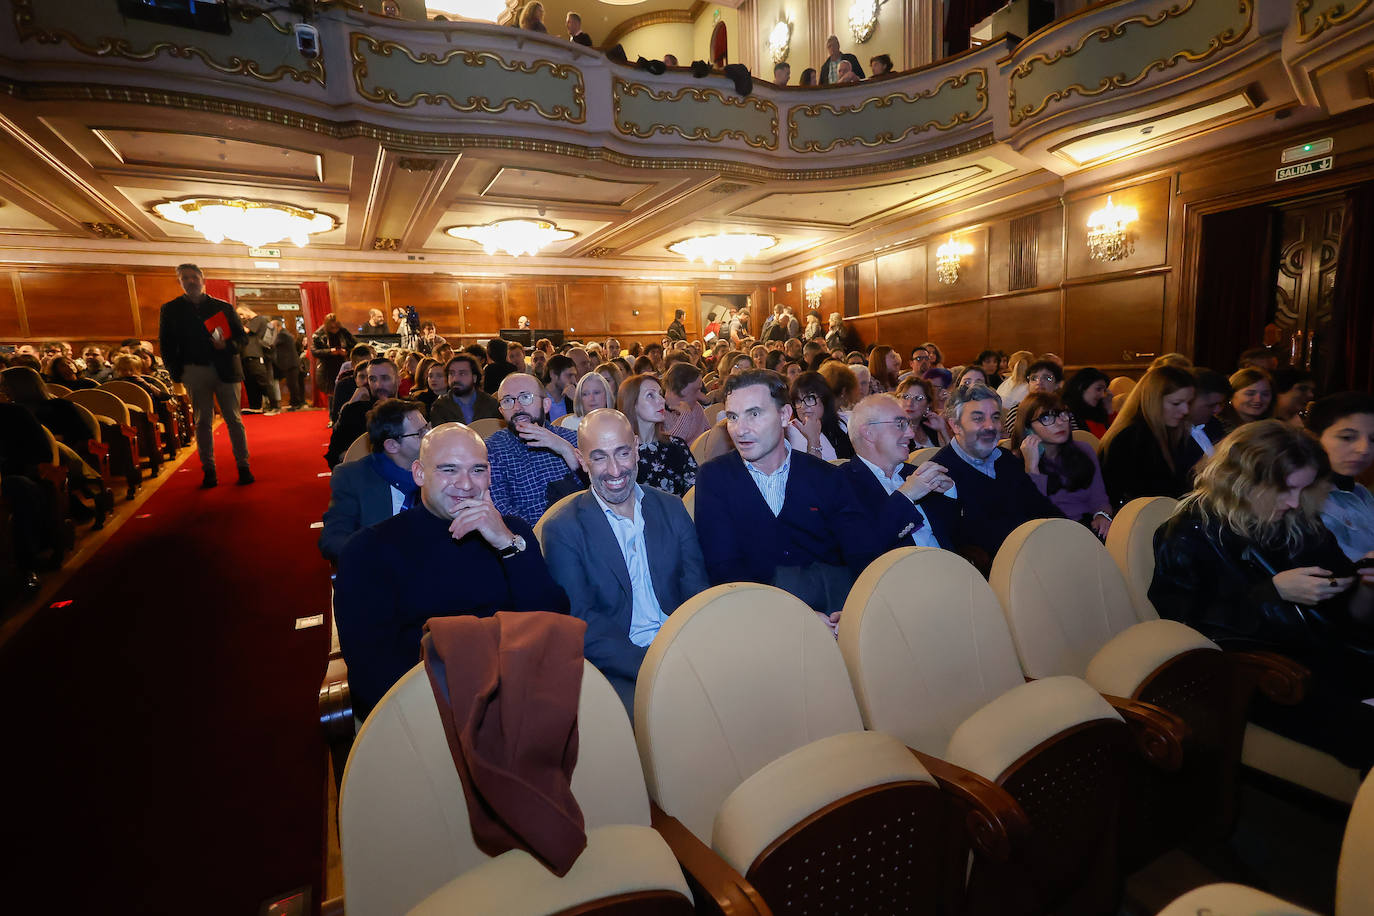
x=161, y=741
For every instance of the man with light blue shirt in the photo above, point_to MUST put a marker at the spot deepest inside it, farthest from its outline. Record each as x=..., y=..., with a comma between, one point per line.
x=626, y=555
x=994, y=493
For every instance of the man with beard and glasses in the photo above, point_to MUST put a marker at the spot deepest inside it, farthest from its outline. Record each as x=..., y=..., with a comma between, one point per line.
x=529, y=454
x=382, y=379
x=465, y=401
x=381, y=605
x=627, y=555
x=995, y=493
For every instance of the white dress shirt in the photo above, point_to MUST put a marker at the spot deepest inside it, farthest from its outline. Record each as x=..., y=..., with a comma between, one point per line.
x=923, y=536
x=1200, y=437
x=773, y=486
x=646, y=616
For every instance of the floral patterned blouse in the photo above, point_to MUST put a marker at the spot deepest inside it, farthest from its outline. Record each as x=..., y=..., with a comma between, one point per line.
x=667, y=466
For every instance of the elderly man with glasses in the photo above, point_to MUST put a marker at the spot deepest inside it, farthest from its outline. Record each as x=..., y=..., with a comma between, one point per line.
x=531, y=460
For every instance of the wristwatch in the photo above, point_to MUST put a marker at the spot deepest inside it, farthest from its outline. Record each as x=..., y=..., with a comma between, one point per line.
x=516, y=545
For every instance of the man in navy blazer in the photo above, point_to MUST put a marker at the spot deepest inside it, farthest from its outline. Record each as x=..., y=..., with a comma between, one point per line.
x=372, y=489
x=626, y=555
x=766, y=513
x=900, y=499
x=995, y=495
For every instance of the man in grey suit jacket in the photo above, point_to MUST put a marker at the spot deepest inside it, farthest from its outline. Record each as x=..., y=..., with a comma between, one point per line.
x=626, y=555
x=372, y=489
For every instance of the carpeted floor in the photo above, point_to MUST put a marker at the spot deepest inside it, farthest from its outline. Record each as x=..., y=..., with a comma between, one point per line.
x=161, y=741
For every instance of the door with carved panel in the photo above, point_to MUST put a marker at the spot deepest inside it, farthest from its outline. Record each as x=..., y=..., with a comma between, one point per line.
x=1300, y=312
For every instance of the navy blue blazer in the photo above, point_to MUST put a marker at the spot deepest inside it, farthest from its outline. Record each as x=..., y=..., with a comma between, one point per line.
x=893, y=514
x=820, y=521
x=358, y=498
x=988, y=509
x=584, y=558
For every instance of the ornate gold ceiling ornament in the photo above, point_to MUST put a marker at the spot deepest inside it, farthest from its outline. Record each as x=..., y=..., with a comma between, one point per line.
x=1110, y=33
x=250, y=222
x=361, y=44
x=621, y=89
x=107, y=230
x=1335, y=14
x=780, y=39
x=883, y=137
x=386, y=244
x=116, y=46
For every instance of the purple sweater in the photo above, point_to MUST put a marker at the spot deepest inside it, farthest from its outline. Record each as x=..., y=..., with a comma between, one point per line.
x=1077, y=503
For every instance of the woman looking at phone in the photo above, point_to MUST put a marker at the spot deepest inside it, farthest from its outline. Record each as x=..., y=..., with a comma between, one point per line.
x=1066, y=471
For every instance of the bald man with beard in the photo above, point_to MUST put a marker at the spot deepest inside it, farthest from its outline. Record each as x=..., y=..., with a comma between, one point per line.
x=450, y=554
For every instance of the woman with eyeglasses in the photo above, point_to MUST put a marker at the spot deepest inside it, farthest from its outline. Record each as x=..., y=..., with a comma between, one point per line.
x=927, y=426
x=1043, y=377
x=665, y=462
x=815, y=427
x=1065, y=471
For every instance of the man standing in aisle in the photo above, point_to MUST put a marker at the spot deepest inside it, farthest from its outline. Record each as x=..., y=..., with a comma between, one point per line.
x=254, y=354
x=200, y=338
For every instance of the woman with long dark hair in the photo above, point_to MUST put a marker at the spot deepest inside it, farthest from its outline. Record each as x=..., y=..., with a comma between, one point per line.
x=1089, y=401
x=1065, y=470
x=815, y=427
x=884, y=365
x=665, y=462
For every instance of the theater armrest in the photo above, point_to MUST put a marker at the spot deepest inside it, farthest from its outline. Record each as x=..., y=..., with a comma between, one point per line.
x=996, y=823
x=336, y=704
x=710, y=876
x=1159, y=734
x=1276, y=676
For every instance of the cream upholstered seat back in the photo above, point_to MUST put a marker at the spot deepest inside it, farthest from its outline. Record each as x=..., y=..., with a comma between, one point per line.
x=689, y=501
x=1062, y=595
x=486, y=426
x=1131, y=543
x=403, y=820
x=130, y=394
x=737, y=677
x=360, y=448
x=922, y=455
x=926, y=646
x=58, y=391
x=101, y=403
x=1354, y=878
x=562, y=501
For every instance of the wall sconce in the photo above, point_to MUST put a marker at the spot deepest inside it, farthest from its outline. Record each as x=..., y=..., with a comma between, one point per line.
x=863, y=19
x=1109, y=232
x=780, y=40
x=815, y=288
x=947, y=260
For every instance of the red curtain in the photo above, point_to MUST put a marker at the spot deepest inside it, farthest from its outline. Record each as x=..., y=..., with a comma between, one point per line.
x=315, y=301
x=1352, y=321
x=1235, y=285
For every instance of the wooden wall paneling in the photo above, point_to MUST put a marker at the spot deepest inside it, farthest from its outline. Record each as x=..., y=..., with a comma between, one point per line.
x=437, y=299
x=586, y=308
x=483, y=308
x=973, y=270
x=903, y=330
x=1150, y=232
x=960, y=331
x=795, y=297
x=900, y=277
x=999, y=257
x=832, y=294
x=1105, y=321
x=868, y=290
x=11, y=313
x=634, y=308
x=151, y=291
x=683, y=297
x=1050, y=264
x=1029, y=322
x=353, y=296
x=523, y=299
x=67, y=303
x=867, y=329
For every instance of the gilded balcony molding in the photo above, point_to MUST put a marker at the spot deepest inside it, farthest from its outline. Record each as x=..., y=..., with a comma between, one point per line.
x=1122, y=54
x=890, y=118
x=696, y=114
x=1316, y=16
x=492, y=90
x=217, y=54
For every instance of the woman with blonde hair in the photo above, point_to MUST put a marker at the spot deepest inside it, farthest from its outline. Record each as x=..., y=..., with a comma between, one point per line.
x=1177, y=360
x=593, y=392
x=813, y=330
x=1252, y=398
x=613, y=375
x=929, y=428
x=1148, y=450
x=665, y=462
x=1246, y=561
x=532, y=17
x=884, y=365
x=1015, y=387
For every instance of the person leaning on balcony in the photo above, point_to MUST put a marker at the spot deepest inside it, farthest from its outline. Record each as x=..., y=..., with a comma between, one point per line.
x=782, y=73
x=575, y=33
x=830, y=69
x=881, y=65
x=532, y=17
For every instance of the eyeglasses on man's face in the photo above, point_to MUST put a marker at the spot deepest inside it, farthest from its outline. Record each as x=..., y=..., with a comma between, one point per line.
x=419, y=432
x=902, y=423
x=526, y=398
x=1051, y=418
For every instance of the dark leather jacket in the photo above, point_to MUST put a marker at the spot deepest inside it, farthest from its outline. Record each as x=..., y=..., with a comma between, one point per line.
x=1222, y=585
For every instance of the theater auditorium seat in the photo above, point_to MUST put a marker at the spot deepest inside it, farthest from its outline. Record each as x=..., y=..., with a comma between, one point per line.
x=358, y=448
x=1082, y=435
x=750, y=738
x=1131, y=543
x=406, y=841
x=922, y=455
x=486, y=426
x=104, y=404
x=689, y=500
x=932, y=663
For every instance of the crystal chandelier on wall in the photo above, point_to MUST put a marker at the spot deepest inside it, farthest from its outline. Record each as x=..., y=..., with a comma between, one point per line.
x=1109, y=232
x=727, y=247
x=513, y=236
x=815, y=288
x=254, y=223
x=948, y=260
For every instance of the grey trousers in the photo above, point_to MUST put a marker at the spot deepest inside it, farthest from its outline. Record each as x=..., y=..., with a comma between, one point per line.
x=205, y=386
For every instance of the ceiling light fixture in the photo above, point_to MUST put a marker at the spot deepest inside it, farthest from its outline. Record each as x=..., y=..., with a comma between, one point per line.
x=948, y=258
x=780, y=40
x=513, y=236
x=727, y=247
x=255, y=223
x=1109, y=232
x=863, y=19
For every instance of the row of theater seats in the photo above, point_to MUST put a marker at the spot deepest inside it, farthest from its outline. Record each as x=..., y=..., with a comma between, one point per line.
x=966, y=746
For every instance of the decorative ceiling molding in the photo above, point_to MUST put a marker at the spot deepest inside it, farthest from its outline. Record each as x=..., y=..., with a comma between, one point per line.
x=658, y=17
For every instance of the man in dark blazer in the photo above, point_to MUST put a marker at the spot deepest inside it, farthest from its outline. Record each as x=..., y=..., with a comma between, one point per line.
x=766, y=513
x=286, y=365
x=995, y=495
x=830, y=66
x=369, y=490
x=626, y=555
x=899, y=499
x=676, y=330
x=465, y=401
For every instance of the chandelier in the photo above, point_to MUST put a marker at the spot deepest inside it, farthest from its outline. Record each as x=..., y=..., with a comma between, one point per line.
x=947, y=260
x=815, y=288
x=780, y=41
x=1109, y=236
x=727, y=246
x=863, y=19
x=513, y=236
x=255, y=223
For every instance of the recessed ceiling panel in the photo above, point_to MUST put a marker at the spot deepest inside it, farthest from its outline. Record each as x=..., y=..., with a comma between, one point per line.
x=1159, y=126
x=14, y=218
x=532, y=184
x=200, y=152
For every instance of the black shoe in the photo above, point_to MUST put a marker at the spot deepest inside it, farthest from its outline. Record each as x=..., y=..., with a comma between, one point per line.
x=210, y=482
x=245, y=475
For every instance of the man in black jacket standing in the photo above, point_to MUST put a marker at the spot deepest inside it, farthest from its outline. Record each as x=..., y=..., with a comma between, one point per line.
x=675, y=330
x=286, y=364
x=255, y=355
x=200, y=337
